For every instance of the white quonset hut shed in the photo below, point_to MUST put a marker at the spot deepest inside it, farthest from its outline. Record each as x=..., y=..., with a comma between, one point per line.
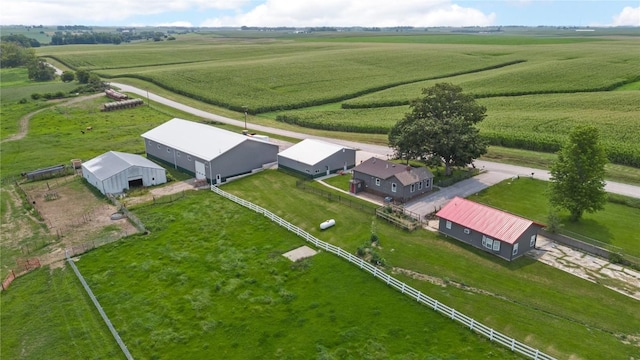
x=207, y=152
x=314, y=158
x=114, y=172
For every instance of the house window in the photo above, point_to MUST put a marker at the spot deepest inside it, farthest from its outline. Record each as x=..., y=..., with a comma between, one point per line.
x=168, y=150
x=532, y=242
x=496, y=245
x=189, y=157
x=515, y=249
x=394, y=187
x=426, y=183
x=487, y=242
x=178, y=153
x=413, y=187
x=420, y=185
x=377, y=182
x=448, y=224
x=467, y=231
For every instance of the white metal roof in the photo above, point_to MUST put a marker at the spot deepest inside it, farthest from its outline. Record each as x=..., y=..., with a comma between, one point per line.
x=311, y=151
x=114, y=162
x=200, y=140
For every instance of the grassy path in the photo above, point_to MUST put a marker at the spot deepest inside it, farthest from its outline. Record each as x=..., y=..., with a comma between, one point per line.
x=23, y=128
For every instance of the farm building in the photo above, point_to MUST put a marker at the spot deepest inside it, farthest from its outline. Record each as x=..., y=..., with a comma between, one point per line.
x=114, y=172
x=207, y=152
x=314, y=158
x=384, y=178
x=505, y=235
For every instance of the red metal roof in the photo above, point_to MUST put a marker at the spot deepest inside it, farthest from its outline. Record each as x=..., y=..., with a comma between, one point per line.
x=492, y=222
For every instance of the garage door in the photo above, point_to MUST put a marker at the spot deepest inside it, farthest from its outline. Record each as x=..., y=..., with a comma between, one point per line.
x=200, y=174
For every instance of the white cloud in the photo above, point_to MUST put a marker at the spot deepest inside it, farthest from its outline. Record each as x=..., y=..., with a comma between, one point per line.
x=176, y=24
x=382, y=13
x=628, y=17
x=57, y=12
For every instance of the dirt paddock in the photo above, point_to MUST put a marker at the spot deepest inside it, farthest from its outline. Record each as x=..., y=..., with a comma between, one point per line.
x=73, y=214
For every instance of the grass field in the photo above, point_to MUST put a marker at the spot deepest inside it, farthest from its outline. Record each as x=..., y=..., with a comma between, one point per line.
x=576, y=308
x=211, y=277
x=47, y=315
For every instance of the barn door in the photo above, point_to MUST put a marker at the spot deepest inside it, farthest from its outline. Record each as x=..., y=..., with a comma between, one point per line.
x=200, y=174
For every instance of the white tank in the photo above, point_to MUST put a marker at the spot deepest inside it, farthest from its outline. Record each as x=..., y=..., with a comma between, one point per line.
x=327, y=224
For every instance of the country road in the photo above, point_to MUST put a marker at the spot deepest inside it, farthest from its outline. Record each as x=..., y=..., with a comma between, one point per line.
x=497, y=171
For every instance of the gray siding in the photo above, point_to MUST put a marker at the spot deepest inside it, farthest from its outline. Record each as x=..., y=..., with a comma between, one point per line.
x=474, y=238
x=336, y=162
x=247, y=156
x=402, y=193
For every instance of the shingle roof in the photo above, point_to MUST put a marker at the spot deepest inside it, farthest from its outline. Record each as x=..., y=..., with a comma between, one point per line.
x=311, y=151
x=114, y=162
x=200, y=140
x=492, y=222
x=385, y=169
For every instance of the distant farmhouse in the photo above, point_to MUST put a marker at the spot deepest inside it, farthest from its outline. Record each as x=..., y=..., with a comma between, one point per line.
x=207, y=152
x=314, y=158
x=115, y=172
x=384, y=178
x=502, y=234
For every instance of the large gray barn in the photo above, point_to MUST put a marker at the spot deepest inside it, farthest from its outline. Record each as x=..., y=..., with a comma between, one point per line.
x=114, y=172
x=314, y=158
x=207, y=152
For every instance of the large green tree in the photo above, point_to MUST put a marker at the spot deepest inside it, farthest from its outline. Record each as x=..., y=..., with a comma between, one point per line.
x=441, y=125
x=577, y=176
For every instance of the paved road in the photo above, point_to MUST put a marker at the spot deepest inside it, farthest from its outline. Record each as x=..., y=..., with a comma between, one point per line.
x=495, y=172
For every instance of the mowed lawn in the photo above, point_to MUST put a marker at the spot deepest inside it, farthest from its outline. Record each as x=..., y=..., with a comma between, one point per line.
x=552, y=310
x=616, y=225
x=210, y=280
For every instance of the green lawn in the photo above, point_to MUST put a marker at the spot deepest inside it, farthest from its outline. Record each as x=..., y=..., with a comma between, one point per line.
x=211, y=277
x=616, y=225
x=46, y=314
x=535, y=294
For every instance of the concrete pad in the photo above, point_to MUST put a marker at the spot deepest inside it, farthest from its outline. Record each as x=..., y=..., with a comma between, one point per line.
x=300, y=253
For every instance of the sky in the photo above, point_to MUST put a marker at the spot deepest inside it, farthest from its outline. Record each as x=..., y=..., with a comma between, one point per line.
x=309, y=13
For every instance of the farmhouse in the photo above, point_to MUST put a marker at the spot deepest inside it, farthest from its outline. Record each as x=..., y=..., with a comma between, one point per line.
x=399, y=182
x=207, y=152
x=505, y=235
x=313, y=158
x=114, y=172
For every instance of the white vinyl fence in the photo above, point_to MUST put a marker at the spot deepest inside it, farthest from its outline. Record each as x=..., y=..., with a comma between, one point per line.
x=488, y=332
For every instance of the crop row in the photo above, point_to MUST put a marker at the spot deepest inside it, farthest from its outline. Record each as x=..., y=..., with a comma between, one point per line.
x=539, y=122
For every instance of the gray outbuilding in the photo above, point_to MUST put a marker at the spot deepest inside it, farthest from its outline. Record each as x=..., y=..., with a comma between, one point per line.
x=500, y=233
x=207, y=152
x=314, y=158
x=115, y=172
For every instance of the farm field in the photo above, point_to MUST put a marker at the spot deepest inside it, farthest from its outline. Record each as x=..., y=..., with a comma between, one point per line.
x=289, y=76
x=556, y=312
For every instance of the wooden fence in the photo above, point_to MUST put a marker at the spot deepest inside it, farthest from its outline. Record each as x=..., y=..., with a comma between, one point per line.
x=447, y=311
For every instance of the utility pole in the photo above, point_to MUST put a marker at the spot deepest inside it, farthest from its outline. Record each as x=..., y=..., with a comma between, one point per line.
x=245, y=108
